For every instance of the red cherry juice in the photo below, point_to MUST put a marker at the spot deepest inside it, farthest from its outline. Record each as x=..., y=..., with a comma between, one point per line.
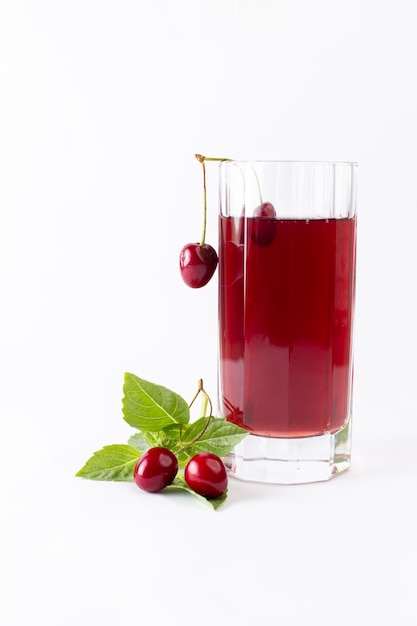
x=286, y=292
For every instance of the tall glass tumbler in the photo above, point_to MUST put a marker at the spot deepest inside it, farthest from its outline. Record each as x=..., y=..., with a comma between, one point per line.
x=287, y=259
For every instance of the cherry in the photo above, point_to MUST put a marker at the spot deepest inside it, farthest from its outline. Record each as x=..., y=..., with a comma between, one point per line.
x=206, y=474
x=266, y=209
x=155, y=469
x=264, y=226
x=198, y=263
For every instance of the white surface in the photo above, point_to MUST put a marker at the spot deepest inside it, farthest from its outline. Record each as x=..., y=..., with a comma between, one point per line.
x=102, y=107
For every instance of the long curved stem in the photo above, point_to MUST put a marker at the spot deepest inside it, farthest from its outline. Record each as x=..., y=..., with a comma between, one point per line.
x=201, y=158
x=199, y=389
x=206, y=401
x=203, y=237
x=258, y=184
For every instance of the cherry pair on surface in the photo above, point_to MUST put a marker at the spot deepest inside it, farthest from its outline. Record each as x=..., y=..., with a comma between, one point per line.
x=205, y=472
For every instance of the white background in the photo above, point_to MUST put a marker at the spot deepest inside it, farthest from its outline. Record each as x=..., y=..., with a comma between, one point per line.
x=103, y=104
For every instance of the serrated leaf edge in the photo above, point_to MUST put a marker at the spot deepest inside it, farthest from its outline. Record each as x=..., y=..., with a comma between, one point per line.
x=102, y=473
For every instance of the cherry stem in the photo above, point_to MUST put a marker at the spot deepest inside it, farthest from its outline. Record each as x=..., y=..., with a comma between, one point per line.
x=197, y=393
x=259, y=185
x=203, y=238
x=206, y=401
x=202, y=159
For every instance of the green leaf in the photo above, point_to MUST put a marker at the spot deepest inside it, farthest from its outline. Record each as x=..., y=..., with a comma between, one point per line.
x=220, y=437
x=160, y=438
x=179, y=484
x=115, y=462
x=170, y=438
x=186, y=440
x=150, y=407
x=138, y=441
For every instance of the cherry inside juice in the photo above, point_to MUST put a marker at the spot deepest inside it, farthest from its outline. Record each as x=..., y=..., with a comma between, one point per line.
x=286, y=290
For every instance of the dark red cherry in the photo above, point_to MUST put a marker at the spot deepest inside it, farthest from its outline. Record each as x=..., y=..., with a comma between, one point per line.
x=206, y=474
x=155, y=469
x=264, y=224
x=266, y=209
x=197, y=264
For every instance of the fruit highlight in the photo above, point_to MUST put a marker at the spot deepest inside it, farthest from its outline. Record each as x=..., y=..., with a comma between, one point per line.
x=198, y=263
x=155, y=469
x=206, y=474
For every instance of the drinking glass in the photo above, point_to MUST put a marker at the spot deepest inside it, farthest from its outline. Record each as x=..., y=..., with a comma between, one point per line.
x=287, y=259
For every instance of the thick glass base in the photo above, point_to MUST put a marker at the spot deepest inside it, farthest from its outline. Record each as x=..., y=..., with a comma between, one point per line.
x=291, y=461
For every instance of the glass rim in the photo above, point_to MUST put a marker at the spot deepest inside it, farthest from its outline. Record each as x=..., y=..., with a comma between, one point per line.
x=289, y=162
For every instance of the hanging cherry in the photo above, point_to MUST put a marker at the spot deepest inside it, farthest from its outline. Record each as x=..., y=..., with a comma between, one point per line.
x=198, y=261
